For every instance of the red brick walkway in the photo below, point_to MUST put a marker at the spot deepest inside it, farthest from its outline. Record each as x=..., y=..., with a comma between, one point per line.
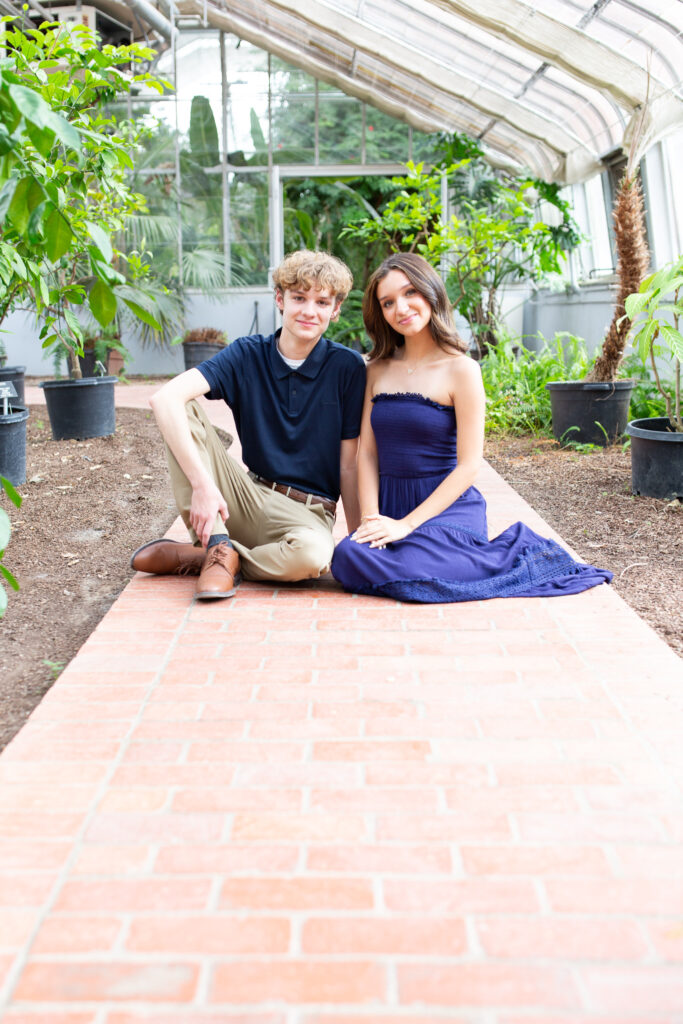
x=301, y=807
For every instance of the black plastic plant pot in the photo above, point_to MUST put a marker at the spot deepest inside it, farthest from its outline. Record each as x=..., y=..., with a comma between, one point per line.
x=80, y=408
x=196, y=352
x=656, y=458
x=13, y=444
x=589, y=412
x=16, y=375
x=87, y=362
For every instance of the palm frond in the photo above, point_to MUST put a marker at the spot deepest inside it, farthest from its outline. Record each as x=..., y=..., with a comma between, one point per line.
x=204, y=269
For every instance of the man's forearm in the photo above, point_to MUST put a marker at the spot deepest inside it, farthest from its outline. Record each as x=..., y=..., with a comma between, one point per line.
x=349, y=497
x=169, y=412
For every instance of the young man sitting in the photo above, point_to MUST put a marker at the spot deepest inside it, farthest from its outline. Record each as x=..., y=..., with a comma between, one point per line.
x=297, y=400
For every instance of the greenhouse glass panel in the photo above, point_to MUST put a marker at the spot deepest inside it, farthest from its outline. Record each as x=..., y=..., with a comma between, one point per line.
x=198, y=66
x=153, y=175
x=247, y=75
x=673, y=149
x=386, y=139
x=249, y=229
x=292, y=114
x=340, y=120
x=597, y=252
x=156, y=232
x=424, y=147
x=201, y=210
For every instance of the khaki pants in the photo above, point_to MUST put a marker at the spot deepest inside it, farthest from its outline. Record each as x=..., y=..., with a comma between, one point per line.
x=276, y=538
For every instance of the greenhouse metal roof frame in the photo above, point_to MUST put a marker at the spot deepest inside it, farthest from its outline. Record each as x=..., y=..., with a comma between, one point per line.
x=551, y=85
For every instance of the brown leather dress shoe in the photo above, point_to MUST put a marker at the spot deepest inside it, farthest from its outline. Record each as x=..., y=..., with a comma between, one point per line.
x=219, y=574
x=168, y=558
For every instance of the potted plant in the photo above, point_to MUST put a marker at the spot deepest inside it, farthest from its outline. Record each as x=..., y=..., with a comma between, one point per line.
x=103, y=352
x=13, y=417
x=65, y=197
x=200, y=343
x=657, y=442
x=595, y=410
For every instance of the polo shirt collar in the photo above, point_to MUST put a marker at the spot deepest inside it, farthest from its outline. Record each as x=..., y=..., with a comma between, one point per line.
x=309, y=368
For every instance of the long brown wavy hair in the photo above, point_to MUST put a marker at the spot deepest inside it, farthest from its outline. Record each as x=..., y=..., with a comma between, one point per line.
x=427, y=282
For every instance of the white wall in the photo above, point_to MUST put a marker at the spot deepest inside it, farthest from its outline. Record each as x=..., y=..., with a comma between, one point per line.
x=233, y=313
x=585, y=312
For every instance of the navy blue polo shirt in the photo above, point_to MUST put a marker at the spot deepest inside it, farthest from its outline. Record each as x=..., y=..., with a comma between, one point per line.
x=290, y=422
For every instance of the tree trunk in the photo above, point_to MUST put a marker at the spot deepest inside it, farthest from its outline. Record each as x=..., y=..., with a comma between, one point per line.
x=74, y=365
x=482, y=321
x=633, y=260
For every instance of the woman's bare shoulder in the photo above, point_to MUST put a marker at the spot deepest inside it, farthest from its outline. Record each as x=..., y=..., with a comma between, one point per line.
x=464, y=368
x=375, y=369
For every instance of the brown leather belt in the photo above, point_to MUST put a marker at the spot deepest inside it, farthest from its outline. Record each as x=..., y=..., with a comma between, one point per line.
x=291, y=492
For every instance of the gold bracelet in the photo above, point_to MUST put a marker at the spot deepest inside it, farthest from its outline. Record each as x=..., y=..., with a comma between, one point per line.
x=369, y=515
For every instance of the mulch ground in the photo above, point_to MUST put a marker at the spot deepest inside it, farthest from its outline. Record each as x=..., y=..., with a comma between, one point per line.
x=89, y=504
x=587, y=498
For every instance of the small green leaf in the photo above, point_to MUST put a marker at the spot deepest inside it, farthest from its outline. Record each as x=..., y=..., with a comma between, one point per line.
x=19, y=265
x=11, y=491
x=39, y=113
x=102, y=302
x=104, y=270
x=645, y=338
x=11, y=579
x=59, y=235
x=42, y=138
x=75, y=326
x=636, y=303
x=34, y=231
x=143, y=315
x=18, y=212
x=101, y=240
x=7, y=143
x=5, y=529
x=672, y=338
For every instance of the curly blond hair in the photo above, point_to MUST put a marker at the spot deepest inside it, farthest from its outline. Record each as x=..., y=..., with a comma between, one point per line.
x=312, y=269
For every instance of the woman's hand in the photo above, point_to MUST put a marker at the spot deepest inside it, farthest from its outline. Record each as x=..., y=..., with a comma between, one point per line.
x=378, y=531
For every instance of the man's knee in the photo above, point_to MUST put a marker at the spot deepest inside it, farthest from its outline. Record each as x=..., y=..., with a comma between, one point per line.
x=197, y=419
x=308, y=553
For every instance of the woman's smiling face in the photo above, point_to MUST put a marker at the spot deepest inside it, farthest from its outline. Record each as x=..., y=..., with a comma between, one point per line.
x=403, y=307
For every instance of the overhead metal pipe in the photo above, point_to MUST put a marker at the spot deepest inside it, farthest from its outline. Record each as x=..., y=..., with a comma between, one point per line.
x=39, y=9
x=153, y=17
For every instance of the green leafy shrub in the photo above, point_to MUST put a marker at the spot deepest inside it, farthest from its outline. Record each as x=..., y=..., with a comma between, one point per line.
x=64, y=197
x=493, y=236
x=515, y=379
x=349, y=328
x=655, y=311
x=646, y=400
x=5, y=574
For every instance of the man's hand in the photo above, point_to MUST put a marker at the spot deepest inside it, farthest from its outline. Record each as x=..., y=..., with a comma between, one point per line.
x=207, y=503
x=378, y=531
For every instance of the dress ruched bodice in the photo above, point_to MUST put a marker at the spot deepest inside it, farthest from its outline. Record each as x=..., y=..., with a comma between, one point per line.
x=448, y=557
x=417, y=441
x=415, y=436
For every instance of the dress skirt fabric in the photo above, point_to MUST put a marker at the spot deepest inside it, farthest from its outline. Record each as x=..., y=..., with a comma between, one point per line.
x=448, y=558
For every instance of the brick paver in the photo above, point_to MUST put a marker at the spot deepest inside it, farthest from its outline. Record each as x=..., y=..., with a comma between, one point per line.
x=302, y=807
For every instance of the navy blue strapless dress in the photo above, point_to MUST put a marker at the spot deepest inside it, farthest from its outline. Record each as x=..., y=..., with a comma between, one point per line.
x=448, y=558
